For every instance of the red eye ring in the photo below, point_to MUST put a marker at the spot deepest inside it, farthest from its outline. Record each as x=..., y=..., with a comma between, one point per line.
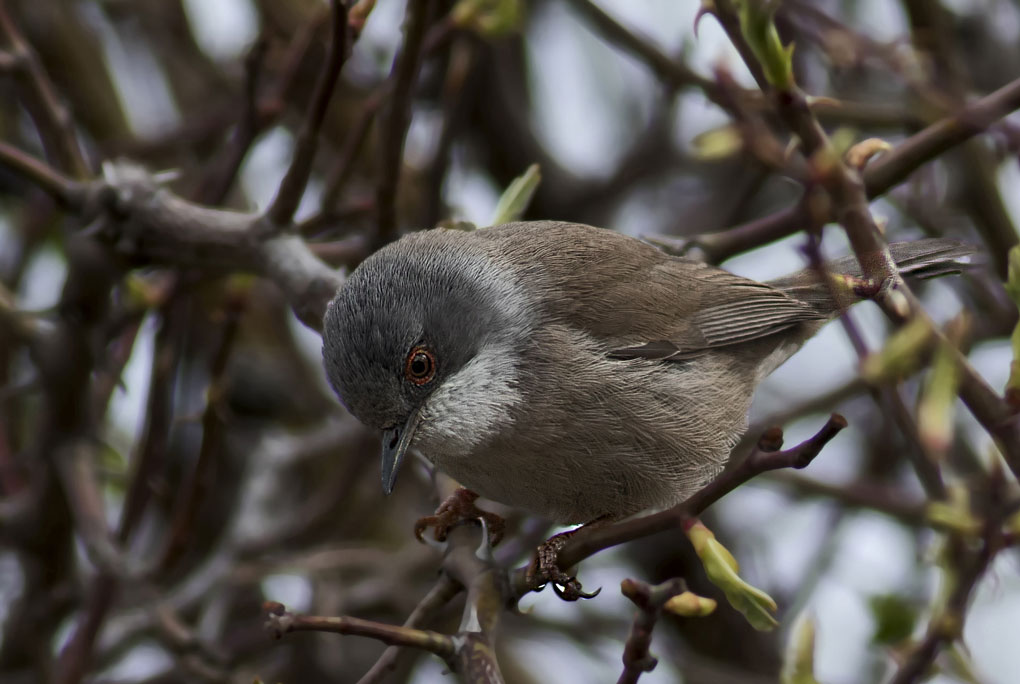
x=420, y=366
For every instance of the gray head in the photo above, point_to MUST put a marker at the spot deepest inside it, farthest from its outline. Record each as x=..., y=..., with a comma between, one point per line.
x=408, y=328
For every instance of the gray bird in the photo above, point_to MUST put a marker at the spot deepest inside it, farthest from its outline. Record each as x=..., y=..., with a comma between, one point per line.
x=569, y=370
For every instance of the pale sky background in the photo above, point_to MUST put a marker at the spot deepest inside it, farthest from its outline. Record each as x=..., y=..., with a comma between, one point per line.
x=580, y=121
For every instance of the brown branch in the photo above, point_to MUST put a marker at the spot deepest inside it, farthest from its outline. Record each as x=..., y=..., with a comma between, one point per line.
x=146, y=221
x=865, y=495
x=64, y=190
x=292, y=187
x=52, y=119
x=637, y=658
x=220, y=177
x=437, y=36
x=280, y=621
x=879, y=177
x=671, y=72
x=470, y=563
x=764, y=457
x=441, y=593
x=947, y=623
x=849, y=196
x=397, y=118
x=187, y=505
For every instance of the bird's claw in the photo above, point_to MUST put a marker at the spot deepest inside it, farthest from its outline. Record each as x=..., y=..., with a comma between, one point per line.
x=545, y=569
x=459, y=507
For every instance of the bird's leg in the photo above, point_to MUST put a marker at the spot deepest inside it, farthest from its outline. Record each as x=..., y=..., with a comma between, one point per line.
x=459, y=507
x=545, y=567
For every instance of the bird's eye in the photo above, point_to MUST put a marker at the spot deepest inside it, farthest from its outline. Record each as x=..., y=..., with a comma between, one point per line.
x=420, y=366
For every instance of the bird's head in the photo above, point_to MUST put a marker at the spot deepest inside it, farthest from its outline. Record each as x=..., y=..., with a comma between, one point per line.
x=419, y=341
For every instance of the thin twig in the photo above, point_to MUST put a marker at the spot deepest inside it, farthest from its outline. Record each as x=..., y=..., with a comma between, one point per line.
x=398, y=117
x=280, y=621
x=292, y=187
x=52, y=119
x=199, y=483
x=637, y=658
x=879, y=177
x=441, y=593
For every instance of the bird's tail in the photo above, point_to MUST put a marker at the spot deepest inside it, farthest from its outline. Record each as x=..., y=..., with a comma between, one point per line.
x=920, y=259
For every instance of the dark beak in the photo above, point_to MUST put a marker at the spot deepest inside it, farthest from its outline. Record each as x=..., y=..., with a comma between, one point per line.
x=395, y=442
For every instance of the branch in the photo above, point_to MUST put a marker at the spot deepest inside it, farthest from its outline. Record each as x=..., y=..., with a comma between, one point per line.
x=441, y=593
x=764, y=457
x=849, y=198
x=947, y=624
x=471, y=564
x=146, y=221
x=292, y=187
x=280, y=621
x=398, y=117
x=637, y=658
x=879, y=177
x=53, y=121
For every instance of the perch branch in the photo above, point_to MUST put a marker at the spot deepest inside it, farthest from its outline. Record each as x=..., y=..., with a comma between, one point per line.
x=765, y=456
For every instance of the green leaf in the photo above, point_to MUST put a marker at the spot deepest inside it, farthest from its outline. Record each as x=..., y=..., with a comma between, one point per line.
x=895, y=619
x=1013, y=289
x=938, y=399
x=901, y=354
x=717, y=143
x=489, y=18
x=799, y=663
x=689, y=604
x=721, y=568
x=517, y=196
x=760, y=33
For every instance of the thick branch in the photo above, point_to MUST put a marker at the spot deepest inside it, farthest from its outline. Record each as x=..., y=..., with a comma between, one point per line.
x=148, y=222
x=764, y=457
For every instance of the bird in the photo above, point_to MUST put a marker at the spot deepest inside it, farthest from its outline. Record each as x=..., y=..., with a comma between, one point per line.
x=571, y=371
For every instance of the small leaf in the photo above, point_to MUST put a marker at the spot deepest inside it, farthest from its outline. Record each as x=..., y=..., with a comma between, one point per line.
x=517, y=196
x=861, y=153
x=759, y=31
x=489, y=18
x=689, y=604
x=799, y=664
x=721, y=568
x=1013, y=289
x=717, y=143
x=938, y=399
x=954, y=515
x=895, y=619
x=901, y=354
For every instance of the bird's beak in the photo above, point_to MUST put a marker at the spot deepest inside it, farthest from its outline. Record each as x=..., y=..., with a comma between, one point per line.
x=395, y=442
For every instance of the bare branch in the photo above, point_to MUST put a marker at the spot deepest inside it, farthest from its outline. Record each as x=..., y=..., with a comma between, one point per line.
x=398, y=118
x=281, y=211
x=280, y=621
x=764, y=457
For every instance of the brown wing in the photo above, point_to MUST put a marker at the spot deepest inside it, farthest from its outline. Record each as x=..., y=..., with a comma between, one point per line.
x=640, y=301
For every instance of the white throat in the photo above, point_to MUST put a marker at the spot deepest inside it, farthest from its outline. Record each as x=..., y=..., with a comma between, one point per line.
x=472, y=405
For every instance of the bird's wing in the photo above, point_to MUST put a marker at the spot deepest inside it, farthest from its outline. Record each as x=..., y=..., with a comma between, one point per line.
x=729, y=310
x=641, y=302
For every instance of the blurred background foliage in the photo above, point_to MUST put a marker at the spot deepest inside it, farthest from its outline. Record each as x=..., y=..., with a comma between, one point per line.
x=258, y=486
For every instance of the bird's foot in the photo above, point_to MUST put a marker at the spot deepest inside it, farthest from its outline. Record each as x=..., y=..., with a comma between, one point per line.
x=459, y=507
x=545, y=569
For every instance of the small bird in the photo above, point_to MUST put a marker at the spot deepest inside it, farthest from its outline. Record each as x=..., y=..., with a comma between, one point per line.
x=568, y=370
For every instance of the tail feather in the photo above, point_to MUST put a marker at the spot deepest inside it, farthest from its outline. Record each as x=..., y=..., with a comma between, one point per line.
x=920, y=259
